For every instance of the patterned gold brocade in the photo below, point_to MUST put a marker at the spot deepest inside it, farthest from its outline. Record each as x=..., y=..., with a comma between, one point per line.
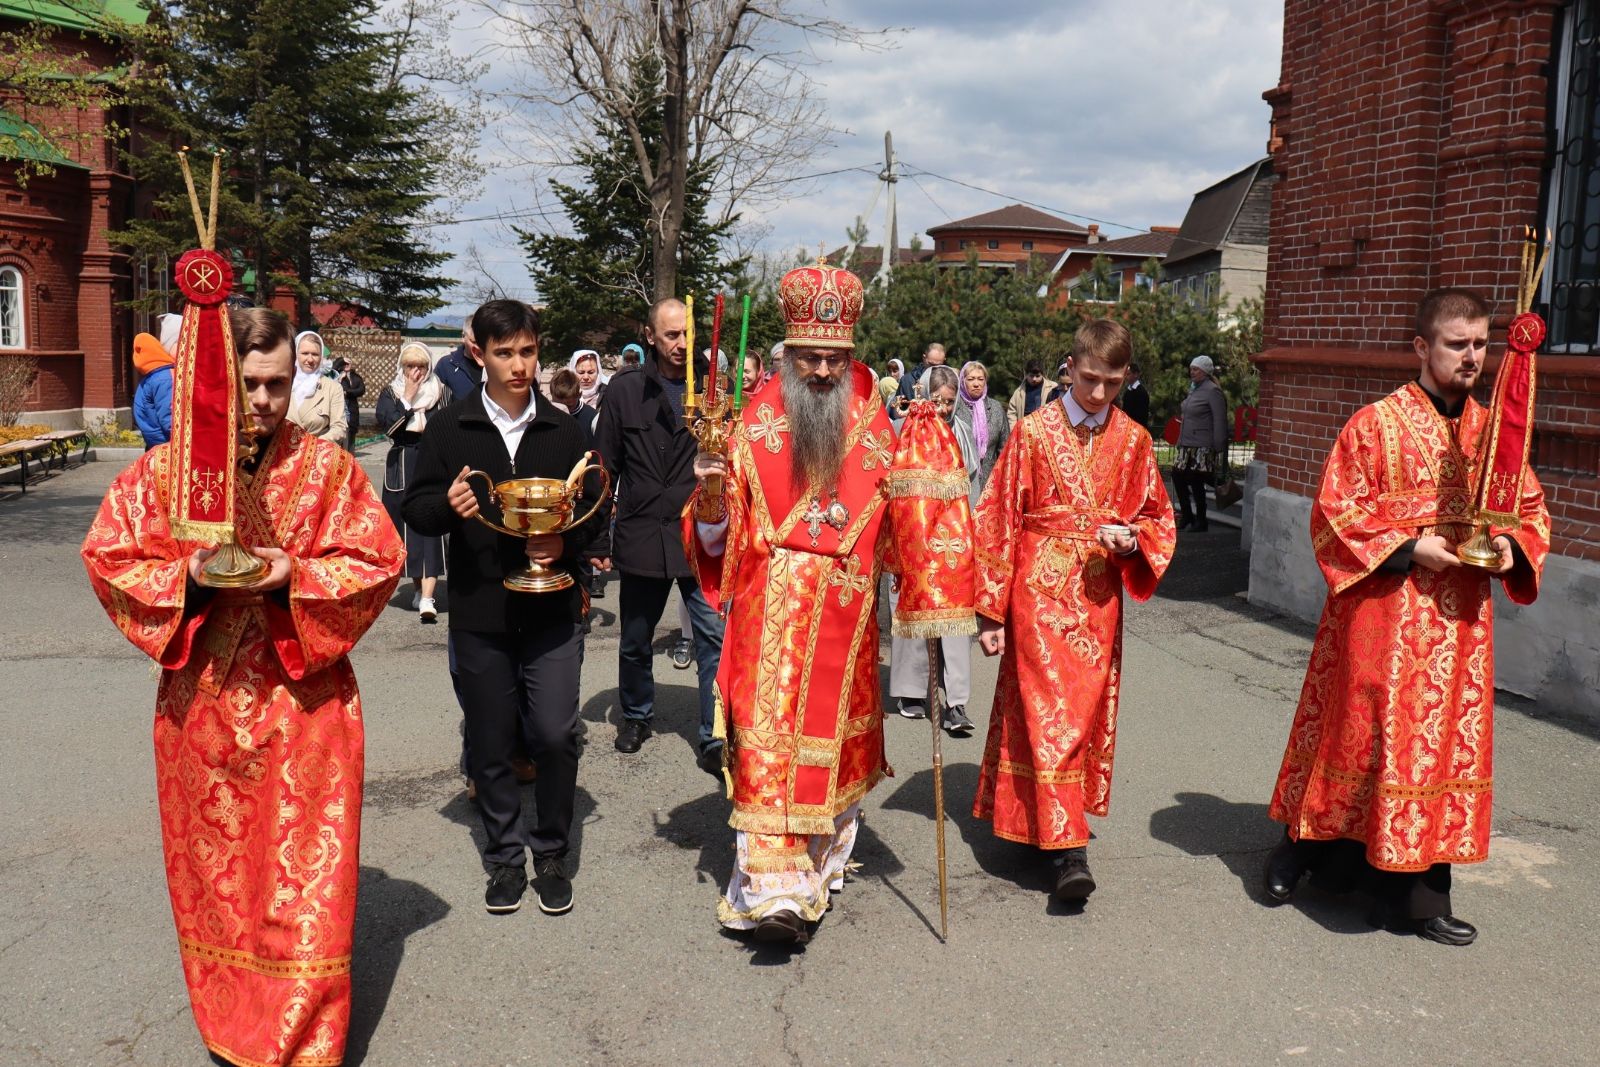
x=258, y=739
x=1392, y=742
x=1042, y=571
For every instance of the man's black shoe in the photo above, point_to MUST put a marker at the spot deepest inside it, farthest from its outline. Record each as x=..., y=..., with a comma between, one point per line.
x=1282, y=873
x=782, y=928
x=1446, y=929
x=506, y=884
x=710, y=760
x=552, y=886
x=631, y=734
x=1074, y=883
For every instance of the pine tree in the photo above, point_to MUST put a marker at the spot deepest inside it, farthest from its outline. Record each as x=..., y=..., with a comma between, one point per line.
x=596, y=283
x=331, y=159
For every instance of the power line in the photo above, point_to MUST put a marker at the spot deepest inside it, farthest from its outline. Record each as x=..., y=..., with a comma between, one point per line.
x=1030, y=203
x=936, y=205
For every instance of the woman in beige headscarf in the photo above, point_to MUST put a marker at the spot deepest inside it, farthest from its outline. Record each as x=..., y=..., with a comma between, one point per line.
x=317, y=403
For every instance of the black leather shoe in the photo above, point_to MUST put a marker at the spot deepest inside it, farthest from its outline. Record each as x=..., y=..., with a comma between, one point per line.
x=1446, y=929
x=631, y=734
x=710, y=760
x=1185, y=522
x=1074, y=883
x=1282, y=873
x=506, y=884
x=782, y=928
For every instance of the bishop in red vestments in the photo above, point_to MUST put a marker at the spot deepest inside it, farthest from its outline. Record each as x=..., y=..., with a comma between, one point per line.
x=1392, y=742
x=1074, y=514
x=793, y=561
x=258, y=733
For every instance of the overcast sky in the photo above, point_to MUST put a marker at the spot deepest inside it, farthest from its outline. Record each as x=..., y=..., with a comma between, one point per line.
x=1112, y=111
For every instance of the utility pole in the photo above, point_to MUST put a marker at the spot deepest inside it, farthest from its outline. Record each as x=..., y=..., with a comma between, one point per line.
x=891, y=246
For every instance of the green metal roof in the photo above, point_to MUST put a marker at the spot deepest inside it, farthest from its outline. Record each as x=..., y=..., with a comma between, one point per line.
x=76, y=14
x=20, y=139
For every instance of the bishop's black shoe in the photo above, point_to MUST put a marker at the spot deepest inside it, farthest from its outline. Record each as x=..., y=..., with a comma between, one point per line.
x=1074, y=883
x=1282, y=873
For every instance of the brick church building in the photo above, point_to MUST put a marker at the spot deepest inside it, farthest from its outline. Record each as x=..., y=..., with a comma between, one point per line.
x=1413, y=141
x=61, y=281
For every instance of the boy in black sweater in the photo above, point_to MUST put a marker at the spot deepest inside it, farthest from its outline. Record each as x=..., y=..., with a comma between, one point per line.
x=516, y=653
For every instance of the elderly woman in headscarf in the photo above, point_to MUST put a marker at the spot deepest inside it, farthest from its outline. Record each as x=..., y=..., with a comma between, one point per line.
x=1202, y=443
x=908, y=658
x=404, y=408
x=983, y=416
x=585, y=363
x=316, y=403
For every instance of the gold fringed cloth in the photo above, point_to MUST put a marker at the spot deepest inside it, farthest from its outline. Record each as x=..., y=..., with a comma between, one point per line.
x=205, y=404
x=1510, y=429
x=932, y=548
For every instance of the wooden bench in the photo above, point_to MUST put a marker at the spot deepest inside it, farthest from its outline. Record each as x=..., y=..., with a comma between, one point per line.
x=23, y=451
x=61, y=442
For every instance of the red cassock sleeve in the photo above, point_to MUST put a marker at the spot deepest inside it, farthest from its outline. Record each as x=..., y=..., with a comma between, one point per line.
x=346, y=558
x=138, y=569
x=1347, y=534
x=1532, y=537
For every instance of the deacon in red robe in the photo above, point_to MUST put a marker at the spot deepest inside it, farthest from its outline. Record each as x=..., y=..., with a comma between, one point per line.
x=1074, y=514
x=792, y=556
x=1392, y=742
x=258, y=734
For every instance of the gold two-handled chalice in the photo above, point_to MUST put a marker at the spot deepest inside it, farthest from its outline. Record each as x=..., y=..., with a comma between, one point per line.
x=530, y=506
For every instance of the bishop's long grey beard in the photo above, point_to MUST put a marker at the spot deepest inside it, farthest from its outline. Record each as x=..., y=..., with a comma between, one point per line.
x=816, y=428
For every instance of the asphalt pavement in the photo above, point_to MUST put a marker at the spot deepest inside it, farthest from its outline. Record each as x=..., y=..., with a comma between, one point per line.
x=1174, y=960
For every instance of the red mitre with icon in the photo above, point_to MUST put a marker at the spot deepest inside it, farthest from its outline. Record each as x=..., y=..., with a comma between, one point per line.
x=931, y=521
x=820, y=306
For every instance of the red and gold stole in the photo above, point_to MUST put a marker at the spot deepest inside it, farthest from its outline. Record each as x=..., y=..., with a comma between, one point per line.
x=1505, y=452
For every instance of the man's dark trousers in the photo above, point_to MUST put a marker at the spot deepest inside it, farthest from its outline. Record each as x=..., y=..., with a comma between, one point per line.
x=521, y=688
x=641, y=603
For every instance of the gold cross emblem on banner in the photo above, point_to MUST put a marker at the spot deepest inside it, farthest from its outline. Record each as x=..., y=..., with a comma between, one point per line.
x=879, y=454
x=768, y=425
x=950, y=547
x=850, y=581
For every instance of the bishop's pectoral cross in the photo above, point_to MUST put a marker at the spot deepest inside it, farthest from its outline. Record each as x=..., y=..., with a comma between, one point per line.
x=814, y=517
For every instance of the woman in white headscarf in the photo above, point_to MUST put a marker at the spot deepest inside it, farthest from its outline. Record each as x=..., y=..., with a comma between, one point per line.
x=403, y=411
x=316, y=404
x=585, y=363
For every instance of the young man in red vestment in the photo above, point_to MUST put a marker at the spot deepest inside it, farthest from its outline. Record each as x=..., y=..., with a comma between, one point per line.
x=258, y=732
x=1074, y=514
x=1391, y=746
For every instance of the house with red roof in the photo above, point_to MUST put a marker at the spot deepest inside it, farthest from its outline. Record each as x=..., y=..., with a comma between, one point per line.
x=1009, y=238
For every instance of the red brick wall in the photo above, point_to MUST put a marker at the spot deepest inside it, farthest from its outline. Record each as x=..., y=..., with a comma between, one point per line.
x=1410, y=153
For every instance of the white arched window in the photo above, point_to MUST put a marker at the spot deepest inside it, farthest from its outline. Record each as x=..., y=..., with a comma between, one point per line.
x=11, y=334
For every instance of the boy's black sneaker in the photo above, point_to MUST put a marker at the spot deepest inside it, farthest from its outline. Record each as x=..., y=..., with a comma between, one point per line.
x=506, y=884
x=552, y=886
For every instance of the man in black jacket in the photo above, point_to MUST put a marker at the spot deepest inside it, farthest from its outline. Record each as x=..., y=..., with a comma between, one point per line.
x=932, y=356
x=516, y=653
x=1136, y=398
x=650, y=453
